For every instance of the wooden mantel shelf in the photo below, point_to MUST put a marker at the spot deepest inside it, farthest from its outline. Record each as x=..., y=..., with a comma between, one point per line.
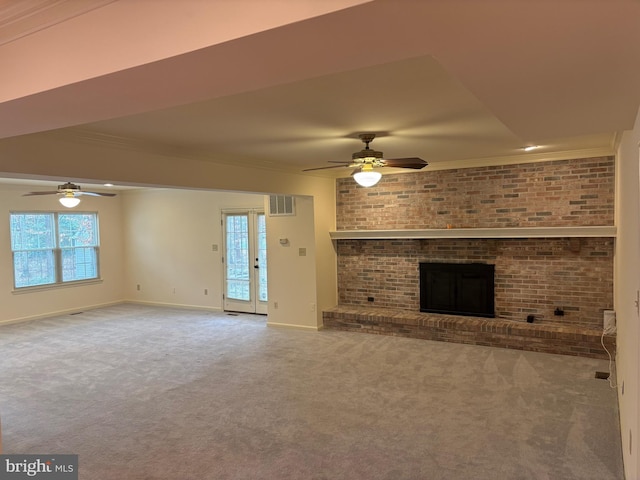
x=507, y=232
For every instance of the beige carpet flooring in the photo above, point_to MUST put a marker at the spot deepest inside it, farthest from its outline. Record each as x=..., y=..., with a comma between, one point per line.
x=146, y=393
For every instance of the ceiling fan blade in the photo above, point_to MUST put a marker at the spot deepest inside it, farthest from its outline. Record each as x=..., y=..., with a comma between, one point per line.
x=55, y=192
x=411, y=162
x=324, y=168
x=96, y=194
x=370, y=158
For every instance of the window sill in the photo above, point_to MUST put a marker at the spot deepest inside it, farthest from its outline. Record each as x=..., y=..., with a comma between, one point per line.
x=55, y=286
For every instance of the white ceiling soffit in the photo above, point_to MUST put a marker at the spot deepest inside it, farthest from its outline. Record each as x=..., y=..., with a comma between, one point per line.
x=443, y=80
x=415, y=107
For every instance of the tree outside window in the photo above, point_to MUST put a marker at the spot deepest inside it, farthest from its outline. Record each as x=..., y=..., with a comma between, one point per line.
x=54, y=248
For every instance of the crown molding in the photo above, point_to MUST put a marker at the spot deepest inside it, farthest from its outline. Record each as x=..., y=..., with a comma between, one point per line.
x=504, y=161
x=19, y=19
x=92, y=137
x=523, y=158
x=616, y=138
x=88, y=136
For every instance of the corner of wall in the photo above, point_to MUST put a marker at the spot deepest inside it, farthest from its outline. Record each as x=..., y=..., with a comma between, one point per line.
x=627, y=288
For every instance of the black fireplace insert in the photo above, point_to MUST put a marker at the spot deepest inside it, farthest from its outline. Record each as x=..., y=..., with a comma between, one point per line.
x=457, y=288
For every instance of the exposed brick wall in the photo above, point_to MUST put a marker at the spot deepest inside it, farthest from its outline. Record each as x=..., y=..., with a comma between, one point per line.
x=533, y=276
x=546, y=194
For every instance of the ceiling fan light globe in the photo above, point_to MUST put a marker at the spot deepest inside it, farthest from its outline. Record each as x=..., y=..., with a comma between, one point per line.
x=367, y=178
x=69, y=202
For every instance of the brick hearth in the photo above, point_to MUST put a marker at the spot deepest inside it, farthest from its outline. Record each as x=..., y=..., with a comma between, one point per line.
x=537, y=337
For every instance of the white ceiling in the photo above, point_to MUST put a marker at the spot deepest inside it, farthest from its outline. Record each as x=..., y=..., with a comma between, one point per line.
x=449, y=81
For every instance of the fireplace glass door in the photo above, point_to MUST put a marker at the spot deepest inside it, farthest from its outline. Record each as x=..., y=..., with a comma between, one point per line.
x=457, y=288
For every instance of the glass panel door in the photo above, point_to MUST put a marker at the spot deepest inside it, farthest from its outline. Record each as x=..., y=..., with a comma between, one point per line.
x=261, y=262
x=245, y=262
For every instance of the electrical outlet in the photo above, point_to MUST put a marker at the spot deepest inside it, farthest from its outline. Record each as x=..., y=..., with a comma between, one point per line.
x=206, y=291
x=138, y=287
x=275, y=305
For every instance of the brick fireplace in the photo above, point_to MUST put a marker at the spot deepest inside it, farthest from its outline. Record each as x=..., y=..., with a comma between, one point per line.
x=532, y=218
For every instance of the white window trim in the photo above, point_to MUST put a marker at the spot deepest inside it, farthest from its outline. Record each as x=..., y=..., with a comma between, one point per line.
x=55, y=286
x=57, y=252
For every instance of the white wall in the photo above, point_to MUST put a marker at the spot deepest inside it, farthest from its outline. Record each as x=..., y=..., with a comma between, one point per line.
x=61, y=299
x=292, y=290
x=56, y=155
x=161, y=239
x=168, y=252
x=627, y=285
x=168, y=245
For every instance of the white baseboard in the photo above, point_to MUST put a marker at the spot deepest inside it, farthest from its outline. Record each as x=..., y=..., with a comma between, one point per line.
x=174, y=305
x=296, y=327
x=59, y=312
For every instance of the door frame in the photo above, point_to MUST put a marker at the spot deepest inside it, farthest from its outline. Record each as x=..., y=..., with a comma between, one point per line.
x=254, y=304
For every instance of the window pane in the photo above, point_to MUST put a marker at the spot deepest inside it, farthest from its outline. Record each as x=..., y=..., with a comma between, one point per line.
x=40, y=240
x=77, y=230
x=238, y=257
x=79, y=264
x=32, y=231
x=78, y=235
x=238, y=290
x=34, y=268
x=262, y=258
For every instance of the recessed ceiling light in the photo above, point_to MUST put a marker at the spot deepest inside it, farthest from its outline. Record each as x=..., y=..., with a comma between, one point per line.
x=108, y=185
x=530, y=147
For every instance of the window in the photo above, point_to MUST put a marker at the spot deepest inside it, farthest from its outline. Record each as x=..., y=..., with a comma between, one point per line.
x=53, y=248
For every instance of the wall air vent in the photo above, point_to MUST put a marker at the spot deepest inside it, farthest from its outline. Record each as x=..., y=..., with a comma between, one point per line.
x=280, y=205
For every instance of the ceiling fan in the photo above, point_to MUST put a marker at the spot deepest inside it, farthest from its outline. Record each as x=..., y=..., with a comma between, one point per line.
x=367, y=159
x=69, y=193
